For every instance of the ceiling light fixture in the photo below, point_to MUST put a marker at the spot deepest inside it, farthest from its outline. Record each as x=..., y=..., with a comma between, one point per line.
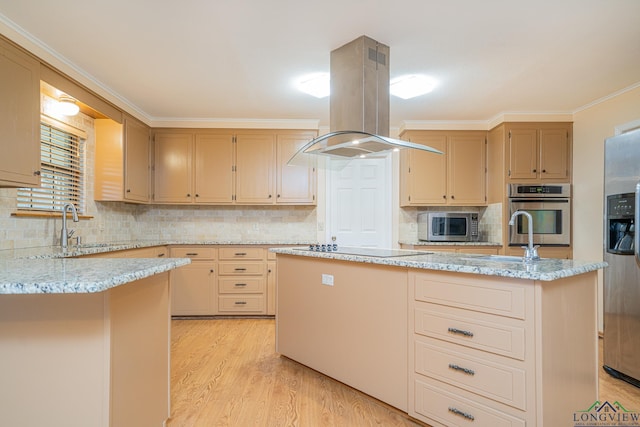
x=315, y=84
x=67, y=106
x=411, y=85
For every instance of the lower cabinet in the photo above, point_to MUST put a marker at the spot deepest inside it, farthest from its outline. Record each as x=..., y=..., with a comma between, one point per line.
x=499, y=351
x=194, y=287
x=223, y=280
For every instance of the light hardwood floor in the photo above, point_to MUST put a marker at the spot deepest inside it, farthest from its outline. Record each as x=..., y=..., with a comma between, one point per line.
x=225, y=372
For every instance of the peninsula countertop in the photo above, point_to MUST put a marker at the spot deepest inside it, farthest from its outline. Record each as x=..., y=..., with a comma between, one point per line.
x=546, y=269
x=51, y=269
x=62, y=275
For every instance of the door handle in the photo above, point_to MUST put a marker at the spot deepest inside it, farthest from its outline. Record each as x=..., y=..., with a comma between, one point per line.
x=636, y=216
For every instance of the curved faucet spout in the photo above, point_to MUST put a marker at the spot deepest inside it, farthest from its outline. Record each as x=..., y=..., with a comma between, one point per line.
x=530, y=252
x=64, y=234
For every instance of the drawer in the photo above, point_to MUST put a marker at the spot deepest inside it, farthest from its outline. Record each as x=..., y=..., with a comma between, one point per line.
x=241, y=304
x=242, y=253
x=242, y=268
x=247, y=285
x=450, y=409
x=492, y=295
x=194, y=253
x=476, y=330
x=497, y=381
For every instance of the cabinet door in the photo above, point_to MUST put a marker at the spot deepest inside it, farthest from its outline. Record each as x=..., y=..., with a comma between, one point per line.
x=295, y=184
x=19, y=118
x=173, y=168
x=554, y=154
x=193, y=290
x=255, y=161
x=467, y=165
x=214, y=157
x=136, y=161
x=424, y=180
x=523, y=154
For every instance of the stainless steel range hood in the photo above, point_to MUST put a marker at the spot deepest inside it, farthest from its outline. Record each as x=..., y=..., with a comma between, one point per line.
x=359, y=114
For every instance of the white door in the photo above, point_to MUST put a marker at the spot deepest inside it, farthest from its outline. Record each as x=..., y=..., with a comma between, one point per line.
x=359, y=202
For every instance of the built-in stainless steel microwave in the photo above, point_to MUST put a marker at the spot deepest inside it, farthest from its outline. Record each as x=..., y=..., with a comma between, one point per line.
x=448, y=226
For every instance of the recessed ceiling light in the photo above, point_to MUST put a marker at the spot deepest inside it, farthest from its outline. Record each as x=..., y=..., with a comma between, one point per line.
x=412, y=85
x=315, y=84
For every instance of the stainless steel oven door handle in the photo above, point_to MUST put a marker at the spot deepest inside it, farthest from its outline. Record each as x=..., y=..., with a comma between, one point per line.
x=636, y=216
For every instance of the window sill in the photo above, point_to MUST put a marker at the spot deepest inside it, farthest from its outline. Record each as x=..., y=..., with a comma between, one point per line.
x=34, y=214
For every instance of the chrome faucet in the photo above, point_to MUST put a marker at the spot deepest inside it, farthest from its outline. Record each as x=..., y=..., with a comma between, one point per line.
x=64, y=234
x=530, y=252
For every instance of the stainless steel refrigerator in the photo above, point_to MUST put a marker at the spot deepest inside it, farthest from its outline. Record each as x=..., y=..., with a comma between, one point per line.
x=621, y=244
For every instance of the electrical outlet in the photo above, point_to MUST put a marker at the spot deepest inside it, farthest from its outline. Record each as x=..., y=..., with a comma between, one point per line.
x=327, y=279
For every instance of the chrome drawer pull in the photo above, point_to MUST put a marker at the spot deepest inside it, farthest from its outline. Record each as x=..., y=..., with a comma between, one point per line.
x=240, y=302
x=461, y=369
x=461, y=413
x=240, y=269
x=240, y=284
x=461, y=332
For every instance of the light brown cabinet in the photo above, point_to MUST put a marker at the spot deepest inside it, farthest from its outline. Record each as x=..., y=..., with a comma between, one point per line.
x=231, y=167
x=539, y=152
x=482, y=348
x=456, y=178
x=295, y=183
x=255, y=168
x=19, y=118
x=122, y=161
x=194, y=287
x=242, y=280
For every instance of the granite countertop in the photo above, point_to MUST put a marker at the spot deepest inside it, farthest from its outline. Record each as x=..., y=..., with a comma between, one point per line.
x=61, y=275
x=52, y=270
x=423, y=243
x=97, y=248
x=546, y=269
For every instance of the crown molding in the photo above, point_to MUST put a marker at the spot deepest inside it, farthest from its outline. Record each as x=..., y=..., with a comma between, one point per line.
x=234, y=123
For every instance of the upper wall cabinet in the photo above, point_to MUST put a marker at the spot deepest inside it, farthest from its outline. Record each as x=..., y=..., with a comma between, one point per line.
x=242, y=167
x=193, y=168
x=538, y=152
x=122, y=167
x=456, y=178
x=19, y=118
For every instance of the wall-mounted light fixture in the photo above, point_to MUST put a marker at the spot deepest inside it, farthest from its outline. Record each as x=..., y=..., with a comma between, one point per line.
x=67, y=106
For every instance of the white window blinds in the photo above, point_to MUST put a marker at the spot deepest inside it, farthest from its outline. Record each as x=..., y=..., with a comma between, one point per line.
x=62, y=166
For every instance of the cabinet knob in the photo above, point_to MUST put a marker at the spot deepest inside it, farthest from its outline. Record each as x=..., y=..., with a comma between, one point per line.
x=197, y=195
x=128, y=190
x=188, y=194
x=544, y=171
x=269, y=195
x=453, y=197
x=278, y=196
x=535, y=170
x=37, y=173
x=444, y=196
x=211, y=271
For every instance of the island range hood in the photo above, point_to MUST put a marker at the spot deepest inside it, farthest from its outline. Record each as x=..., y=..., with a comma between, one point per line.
x=359, y=105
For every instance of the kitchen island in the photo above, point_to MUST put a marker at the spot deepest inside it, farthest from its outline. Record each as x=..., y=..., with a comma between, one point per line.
x=447, y=338
x=85, y=342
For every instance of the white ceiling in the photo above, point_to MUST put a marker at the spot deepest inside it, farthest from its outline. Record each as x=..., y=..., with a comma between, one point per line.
x=237, y=59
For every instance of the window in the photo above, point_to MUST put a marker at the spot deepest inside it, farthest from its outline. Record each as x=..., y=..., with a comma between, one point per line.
x=62, y=172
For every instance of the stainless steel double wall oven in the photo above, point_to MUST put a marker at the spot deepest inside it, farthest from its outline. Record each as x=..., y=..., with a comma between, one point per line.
x=550, y=208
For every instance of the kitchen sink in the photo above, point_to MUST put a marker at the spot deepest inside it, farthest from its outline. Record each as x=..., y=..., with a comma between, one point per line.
x=495, y=258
